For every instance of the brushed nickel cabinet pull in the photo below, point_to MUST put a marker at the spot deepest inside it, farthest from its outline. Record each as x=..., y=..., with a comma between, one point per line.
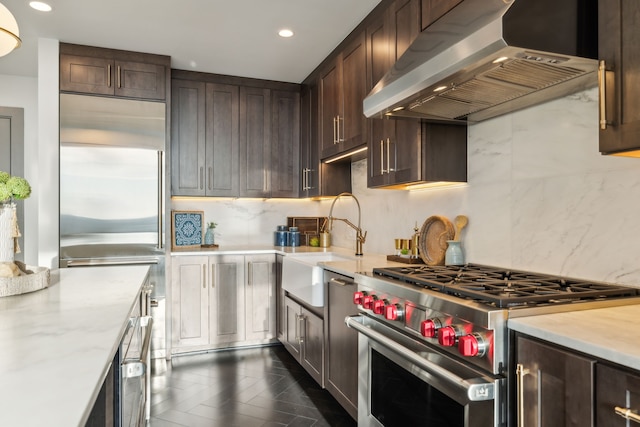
x=627, y=414
x=204, y=276
x=118, y=76
x=250, y=273
x=520, y=373
x=109, y=75
x=382, y=171
x=201, y=178
x=302, y=319
x=334, y=130
x=389, y=170
x=340, y=138
x=213, y=276
x=210, y=178
x=602, y=86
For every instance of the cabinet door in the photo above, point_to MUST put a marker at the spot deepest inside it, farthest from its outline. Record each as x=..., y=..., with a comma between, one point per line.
x=313, y=345
x=557, y=385
x=341, y=346
x=330, y=108
x=618, y=38
x=285, y=143
x=255, y=142
x=226, y=299
x=140, y=80
x=432, y=10
x=353, y=124
x=291, y=324
x=309, y=150
x=187, y=138
x=222, y=147
x=617, y=388
x=189, y=301
x=260, y=297
x=86, y=74
x=394, y=145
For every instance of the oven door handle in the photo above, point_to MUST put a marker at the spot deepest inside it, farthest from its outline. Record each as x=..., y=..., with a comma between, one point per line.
x=132, y=368
x=479, y=389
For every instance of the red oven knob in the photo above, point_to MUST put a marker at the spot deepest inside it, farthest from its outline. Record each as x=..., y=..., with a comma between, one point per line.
x=378, y=306
x=358, y=297
x=429, y=328
x=472, y=345
x=447, y=336
x=393, y=312
x=367, y=301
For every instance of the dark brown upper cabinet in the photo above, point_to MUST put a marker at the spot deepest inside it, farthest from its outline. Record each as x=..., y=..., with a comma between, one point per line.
x=230, y=139
x=285, y=143
x=255, y=142
x=401, y=151
x=204, y=139
x=342, y=89
x=619, y=77
x=109, y=72
x=317, y=179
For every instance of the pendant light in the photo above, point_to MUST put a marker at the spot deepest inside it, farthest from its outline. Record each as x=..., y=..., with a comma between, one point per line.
x=9, y=33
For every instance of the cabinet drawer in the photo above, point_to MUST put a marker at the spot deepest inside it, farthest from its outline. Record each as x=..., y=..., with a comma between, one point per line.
x=616, y=388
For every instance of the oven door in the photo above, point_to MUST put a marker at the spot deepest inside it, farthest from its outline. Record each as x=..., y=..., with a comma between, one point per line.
x=402, y=382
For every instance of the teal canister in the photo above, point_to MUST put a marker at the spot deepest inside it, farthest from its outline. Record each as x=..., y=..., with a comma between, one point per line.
x=454, y=254
x=294, y=236
x=281, y=236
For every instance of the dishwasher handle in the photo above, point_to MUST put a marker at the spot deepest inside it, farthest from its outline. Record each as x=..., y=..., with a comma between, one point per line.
x=137, y=367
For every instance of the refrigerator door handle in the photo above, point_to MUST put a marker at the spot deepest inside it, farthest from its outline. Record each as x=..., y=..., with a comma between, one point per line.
x=160, y=198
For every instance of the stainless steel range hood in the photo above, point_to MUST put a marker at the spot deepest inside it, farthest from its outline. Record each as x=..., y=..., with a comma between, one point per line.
x=490, y=57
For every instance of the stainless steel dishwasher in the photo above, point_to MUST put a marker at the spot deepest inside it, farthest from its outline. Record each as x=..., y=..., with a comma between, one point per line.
x=341, y=343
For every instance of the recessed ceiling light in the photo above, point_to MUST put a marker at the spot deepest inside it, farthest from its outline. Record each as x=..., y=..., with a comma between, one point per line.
x=440, y=88
x=285, y=33
x=501, y=59
x=38, y=5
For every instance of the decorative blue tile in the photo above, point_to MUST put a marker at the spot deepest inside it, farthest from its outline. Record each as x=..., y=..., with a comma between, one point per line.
x=187, y=228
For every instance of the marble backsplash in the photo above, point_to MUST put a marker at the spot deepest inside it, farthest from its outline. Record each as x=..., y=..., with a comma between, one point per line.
x=539, y=197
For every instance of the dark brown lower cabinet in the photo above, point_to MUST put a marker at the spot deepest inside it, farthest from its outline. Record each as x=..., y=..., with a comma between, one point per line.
x=616, y=388
x=341, y=342
x=303, y=331
x=557, y=387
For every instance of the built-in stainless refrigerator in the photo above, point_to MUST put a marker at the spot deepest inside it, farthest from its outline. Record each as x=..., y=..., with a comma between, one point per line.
x=112, y=190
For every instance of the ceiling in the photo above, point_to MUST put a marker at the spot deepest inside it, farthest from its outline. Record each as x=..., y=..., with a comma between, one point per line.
x=217, y=36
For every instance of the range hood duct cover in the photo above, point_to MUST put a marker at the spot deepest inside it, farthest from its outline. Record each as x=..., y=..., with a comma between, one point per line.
x=548, y=49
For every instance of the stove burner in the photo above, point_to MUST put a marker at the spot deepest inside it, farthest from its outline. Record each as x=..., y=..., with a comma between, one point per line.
x=503, y=288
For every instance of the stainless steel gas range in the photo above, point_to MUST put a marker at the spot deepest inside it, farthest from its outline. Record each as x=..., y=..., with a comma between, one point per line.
x=434, y=348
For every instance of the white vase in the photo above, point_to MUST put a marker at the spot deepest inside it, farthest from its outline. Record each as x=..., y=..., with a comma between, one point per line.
x=7, y=231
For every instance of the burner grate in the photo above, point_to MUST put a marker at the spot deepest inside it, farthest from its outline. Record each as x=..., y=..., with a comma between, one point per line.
x=501, y=287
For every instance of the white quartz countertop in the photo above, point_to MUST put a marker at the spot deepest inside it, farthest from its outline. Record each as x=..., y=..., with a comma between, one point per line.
x=56, y=344
x=362, y=263
x=607, y=333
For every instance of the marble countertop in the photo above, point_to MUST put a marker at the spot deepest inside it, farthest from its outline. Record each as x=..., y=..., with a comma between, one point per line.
x=607, y=333
x=362, y=263
x=57, y=343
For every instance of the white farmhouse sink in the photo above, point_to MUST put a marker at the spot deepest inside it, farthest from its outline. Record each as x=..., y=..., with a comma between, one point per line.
x=303, y=277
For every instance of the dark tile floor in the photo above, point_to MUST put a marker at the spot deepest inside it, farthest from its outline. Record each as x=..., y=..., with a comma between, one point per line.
x=249, y=387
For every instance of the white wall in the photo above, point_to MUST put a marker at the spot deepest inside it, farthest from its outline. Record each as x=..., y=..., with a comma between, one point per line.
x=22, y=92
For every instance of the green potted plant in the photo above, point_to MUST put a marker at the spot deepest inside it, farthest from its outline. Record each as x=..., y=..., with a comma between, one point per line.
x=11, y=188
